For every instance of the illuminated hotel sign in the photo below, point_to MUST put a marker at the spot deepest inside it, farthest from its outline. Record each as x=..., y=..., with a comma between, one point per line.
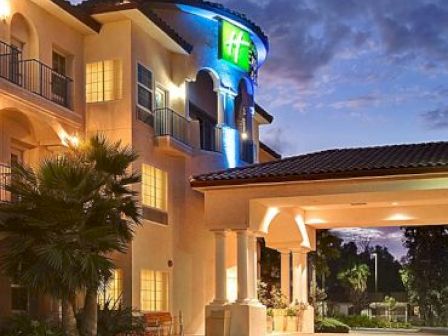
x=236, y=47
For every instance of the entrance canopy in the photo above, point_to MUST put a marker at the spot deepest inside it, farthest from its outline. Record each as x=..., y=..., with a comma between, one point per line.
x=376, y=186
x=285, y=202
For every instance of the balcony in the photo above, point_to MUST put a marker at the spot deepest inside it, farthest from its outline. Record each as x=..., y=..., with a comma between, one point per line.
x=34, y=76
x=5, y=177
x=172, y=132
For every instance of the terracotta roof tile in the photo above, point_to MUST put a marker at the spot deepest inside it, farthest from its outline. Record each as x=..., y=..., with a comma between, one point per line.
x=338, y=163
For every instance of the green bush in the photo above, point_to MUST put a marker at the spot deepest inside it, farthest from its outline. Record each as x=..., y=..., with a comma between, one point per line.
x=330, y=325
x=23, y=325
x=114, y=320
x=362, y=321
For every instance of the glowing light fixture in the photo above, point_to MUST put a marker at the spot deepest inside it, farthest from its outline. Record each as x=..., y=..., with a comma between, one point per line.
x=5, y=9
x=269, y=217
x=315, y=221
x=68, y=140
x=399, y=217
x=244, y=136
x=177, y=92
x=303, y=232
x=230, y=146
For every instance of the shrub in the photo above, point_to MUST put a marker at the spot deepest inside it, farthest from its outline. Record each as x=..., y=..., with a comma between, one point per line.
x=330, y=325
x=362, y=321
x=24, y=325
x=114, y=320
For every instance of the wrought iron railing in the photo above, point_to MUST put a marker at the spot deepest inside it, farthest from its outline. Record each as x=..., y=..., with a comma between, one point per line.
x=46, y=82
x=168, y=122
x=10, y=60
x=248, y=151
x=34, y=76
x=5, y=178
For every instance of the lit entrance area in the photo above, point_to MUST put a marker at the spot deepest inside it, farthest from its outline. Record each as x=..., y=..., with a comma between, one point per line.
x=286, y=201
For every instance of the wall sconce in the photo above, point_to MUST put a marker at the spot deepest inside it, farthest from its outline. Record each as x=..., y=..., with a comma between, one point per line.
x=68, y=140
x=5, y=10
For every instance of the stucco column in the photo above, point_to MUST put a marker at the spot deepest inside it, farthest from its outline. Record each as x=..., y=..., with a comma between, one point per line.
x=220, y=268
x=300, y=277
x=221, y=95
x=253, y=268
x=285, y=274
x=243, y=266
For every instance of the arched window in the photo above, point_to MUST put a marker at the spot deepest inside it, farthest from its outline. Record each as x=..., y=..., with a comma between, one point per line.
x=203, y=107
x=244, y=105
x=23, y=36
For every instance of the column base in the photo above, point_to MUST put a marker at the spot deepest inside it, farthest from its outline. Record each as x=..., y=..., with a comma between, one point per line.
x=217, y=319
x=247, y=319
x=306, y=321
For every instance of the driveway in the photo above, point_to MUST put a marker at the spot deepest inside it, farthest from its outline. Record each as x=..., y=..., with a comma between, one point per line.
x=378, y=333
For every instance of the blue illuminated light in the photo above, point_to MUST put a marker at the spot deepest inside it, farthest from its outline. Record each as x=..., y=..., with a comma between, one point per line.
x=230, y=146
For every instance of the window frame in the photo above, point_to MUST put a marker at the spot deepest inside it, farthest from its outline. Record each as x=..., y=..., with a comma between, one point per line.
x=115, y=285
x=154, y=188
x=151, y=89
x=152, y=291
x=117, y=81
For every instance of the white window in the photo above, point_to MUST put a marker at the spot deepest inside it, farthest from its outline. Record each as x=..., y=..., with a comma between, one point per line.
x=103, y=81
x=145, y=88
x=111, y=293
x=154, y=290
x=154, y=187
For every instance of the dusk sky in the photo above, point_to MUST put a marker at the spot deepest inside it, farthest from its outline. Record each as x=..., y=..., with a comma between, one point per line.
x=345, y=73
x=349, y=73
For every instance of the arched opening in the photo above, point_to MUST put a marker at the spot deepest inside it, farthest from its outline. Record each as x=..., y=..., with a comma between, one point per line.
x=203, y=107
x=24, y=37
x=244, y=105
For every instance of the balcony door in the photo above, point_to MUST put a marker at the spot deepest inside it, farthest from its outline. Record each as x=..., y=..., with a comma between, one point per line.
x=58, y=78
x=161, y=97
x=17, y=48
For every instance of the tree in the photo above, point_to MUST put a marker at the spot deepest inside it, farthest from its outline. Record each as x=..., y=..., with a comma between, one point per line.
x=328, y=250
x=73, y=211
x=425, y=273
x=355, y=279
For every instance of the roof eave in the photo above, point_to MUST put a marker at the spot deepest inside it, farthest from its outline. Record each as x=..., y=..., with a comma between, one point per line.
x=80, y=15
x=104, y=8
x=378, y=173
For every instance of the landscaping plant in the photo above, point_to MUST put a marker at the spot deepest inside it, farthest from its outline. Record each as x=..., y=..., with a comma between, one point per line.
x=72, y=212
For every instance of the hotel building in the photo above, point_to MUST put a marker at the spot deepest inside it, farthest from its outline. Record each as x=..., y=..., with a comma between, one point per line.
x=175, y=80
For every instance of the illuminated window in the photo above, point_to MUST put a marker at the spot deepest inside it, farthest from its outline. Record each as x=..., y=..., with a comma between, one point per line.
x=112, y=291
x=145, y=88
x=103, y=81
x=153, y=291
x=154, y=187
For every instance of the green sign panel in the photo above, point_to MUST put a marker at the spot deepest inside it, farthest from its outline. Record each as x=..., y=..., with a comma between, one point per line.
x=236, y=46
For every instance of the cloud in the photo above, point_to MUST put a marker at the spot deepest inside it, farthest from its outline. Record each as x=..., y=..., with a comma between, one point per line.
x=356, y=102
x=275, y=138
x=436, y=119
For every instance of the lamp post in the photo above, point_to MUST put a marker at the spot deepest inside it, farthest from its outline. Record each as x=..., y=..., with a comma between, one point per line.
x=375, y=256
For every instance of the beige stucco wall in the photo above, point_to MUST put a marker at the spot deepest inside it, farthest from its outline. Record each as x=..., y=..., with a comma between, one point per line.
x=34, y=123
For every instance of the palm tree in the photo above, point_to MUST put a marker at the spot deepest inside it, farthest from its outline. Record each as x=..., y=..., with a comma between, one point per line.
x=72, y=213
x=355, y=279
